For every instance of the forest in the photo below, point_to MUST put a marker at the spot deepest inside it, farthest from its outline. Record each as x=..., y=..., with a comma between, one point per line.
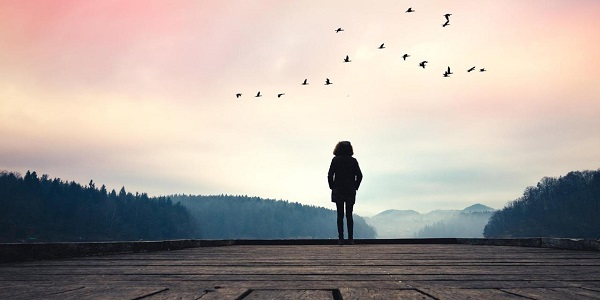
x=462, y=225
x=566, y=207
x=243, y=217
x=40, y=209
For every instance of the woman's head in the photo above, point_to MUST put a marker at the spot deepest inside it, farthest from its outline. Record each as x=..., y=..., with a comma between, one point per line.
x=343, y=148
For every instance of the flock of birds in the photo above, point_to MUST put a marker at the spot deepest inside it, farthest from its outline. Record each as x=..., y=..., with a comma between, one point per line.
x=422, y=64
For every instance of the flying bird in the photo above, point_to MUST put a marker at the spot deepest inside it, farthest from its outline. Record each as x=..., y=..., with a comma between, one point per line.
x=279, y=95
x=482, y=70
x=327, y=82
x=405, y=56
x=446, y=24
x=305, y=82
x=447, y=17
x=347, y=59
x=339, y=29
x=238, y=95
x=422, y=64
x=382, y=46
x=409, y=10
x=258, y=94
x=447, y=72
x=471, y=69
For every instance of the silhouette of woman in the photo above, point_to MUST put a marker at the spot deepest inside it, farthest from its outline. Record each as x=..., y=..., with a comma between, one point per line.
x=344, y=178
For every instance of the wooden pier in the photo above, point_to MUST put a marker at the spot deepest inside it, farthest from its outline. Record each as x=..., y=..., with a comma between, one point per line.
x=313, y=271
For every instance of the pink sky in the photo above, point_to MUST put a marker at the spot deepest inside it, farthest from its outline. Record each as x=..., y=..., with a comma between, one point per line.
x=142, y=95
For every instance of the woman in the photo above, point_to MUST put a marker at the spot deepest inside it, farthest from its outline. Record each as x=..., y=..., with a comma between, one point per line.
x=344, y=178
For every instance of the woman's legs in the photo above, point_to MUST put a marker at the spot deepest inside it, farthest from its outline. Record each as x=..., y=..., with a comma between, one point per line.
x=340, y=219
x=349, y=219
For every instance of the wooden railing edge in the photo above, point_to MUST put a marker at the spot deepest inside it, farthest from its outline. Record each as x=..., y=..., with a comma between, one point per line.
x=14, y=252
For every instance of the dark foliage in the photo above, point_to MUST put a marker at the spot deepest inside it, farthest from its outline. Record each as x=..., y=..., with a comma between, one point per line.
x=242, y=217
x=567, y=206
x=40, y=209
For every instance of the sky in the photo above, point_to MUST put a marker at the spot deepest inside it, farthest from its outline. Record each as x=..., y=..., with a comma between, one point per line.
x=142, y=94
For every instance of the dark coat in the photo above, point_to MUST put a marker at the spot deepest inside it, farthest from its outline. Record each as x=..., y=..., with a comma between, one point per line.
x=344, y=178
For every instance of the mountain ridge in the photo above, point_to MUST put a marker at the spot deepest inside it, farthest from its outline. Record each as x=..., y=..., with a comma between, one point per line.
x=395, y=223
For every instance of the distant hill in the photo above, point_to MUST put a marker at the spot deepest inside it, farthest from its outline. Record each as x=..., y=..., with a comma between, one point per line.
x=466, y=224
x=395, y=213
x=242, y=217
x=396, y=223
x=478, y=208
x=567, y=207
x=409, y=223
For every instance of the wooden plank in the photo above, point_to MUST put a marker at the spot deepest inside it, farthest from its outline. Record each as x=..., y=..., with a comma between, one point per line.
x=304, y=277
x=461, y=294
x=555, y=293
x=566, y=271
x=106, y=292
x=484, y=284
x=181, y=293
x=34, y=290
x=186, y=273
x=177, y=295
x=290, y=294
x=592, y=286
x=316, y=262
x=381, y=294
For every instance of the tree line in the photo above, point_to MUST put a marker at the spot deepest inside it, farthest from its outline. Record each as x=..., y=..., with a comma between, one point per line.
x=40, y=209
x=243, y=217
x=463, y=225
x=567, y=206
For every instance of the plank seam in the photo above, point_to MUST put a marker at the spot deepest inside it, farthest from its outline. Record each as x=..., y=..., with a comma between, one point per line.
x=151, y=294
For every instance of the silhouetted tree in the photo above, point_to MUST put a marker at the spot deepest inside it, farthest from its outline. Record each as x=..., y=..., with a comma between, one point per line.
x=36, y=208
x=567, y=206
x=41, y=209
x=242, y=217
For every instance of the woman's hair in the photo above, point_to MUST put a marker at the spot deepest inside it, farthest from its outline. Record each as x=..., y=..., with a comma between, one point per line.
x=343, y=148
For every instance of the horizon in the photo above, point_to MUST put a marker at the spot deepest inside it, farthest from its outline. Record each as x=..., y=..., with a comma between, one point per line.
x=109, y=190
x=143, y=95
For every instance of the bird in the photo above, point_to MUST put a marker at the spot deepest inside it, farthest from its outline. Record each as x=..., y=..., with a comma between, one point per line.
x=339, y=29
x=327, y=82
x=471, y=69
x=422, y=64
x=279, y=95
x=447, y=72
x=305, y=82
x=446, y=24
x=258, y=94
x=347, y=59
x=238, y=95
x=405, y=56
x=447, y=17
x=482, y=70
x=382, y=46
x=409, y=10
